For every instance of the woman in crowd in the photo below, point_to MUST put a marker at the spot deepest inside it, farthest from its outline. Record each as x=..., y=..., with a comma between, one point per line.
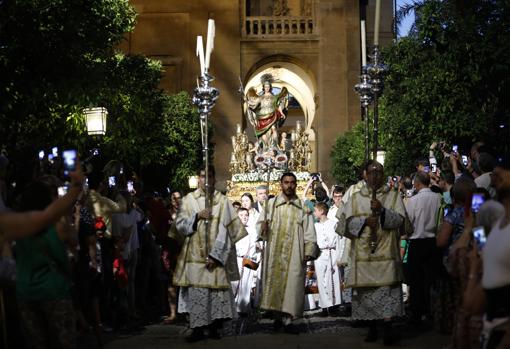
x=449, y=231
x=467, y=327
x=247, y=203
x=43, y=284
x=170, y=250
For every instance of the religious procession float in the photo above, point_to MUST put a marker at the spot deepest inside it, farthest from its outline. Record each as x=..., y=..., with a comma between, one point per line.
x=270, y=152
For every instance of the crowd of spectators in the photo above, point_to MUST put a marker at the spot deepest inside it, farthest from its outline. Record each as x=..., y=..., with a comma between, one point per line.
x=96, y=259
x=100, y=257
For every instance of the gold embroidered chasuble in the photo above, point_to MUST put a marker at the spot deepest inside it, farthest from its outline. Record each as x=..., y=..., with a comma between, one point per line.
x=225, y=230
x=291, y=237
x=384, y=267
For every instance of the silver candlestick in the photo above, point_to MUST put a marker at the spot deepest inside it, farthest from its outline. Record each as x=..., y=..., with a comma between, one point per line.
x=364, y=90
x=204, y=98
x=376, y=71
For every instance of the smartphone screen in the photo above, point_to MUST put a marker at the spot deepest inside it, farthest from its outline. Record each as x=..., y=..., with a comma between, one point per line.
x=480, y=237
x=54, y=151
x=69, y=157
x=464, y=160
x=41, y=154
x=476, y=202
x=111, y=181
x=455, y=148
x=62, y=191
x=426, y=169
x=434, y=168
x=130, y=187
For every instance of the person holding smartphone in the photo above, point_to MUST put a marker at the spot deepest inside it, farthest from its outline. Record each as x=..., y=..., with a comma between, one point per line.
x=16, y=225
x=467, y=327
x=43, y=279
x=496, y=262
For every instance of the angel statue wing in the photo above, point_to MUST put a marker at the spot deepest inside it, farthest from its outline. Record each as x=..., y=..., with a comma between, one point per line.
x=251, y=93
x=252, y=102
x=282, y=100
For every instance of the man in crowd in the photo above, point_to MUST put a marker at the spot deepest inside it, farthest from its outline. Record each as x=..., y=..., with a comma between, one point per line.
x=291, y=241
x=207, y=263
x=374, y=227
x=486, y=163
x=422, y=209
x=261, y=196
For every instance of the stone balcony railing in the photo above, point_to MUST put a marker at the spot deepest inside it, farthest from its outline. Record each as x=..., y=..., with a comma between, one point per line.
x=279, y=27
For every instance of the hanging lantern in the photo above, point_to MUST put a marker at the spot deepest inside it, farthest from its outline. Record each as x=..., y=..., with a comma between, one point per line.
x=193, y=182
x=96, y=120
x=381, y=155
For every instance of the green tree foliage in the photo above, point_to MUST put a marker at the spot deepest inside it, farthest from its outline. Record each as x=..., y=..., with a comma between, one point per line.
x=448, y=80
x=348, y=155
x=58, y=57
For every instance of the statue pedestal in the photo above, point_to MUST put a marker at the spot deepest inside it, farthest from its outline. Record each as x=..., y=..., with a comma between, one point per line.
x=248, y=183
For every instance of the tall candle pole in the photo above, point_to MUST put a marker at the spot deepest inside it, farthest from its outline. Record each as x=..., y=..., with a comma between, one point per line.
x=376, y=71
x=377, y=21
x=364, y=90
x=210, y=42
x=200, y=54
x=363, y=44
x=204, y=98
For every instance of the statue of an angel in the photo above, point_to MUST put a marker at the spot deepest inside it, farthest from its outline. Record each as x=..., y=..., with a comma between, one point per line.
x=267, y=111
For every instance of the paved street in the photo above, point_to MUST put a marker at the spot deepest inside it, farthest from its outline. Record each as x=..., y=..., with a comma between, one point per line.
x=317, y=332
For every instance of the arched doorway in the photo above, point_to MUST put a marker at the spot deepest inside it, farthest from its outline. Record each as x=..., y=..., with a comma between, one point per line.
x=301, y=86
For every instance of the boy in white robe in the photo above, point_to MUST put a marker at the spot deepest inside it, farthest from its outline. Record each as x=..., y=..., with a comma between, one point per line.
x=326, y=267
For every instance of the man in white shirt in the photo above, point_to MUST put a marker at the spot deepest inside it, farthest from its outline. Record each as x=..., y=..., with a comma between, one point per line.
x=422, y=209
x=486, y=163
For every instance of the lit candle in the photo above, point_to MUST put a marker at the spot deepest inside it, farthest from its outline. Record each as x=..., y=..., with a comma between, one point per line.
x=292, y=154
x=377, y=21
x=234, y=142
x=210, y=42
x=298, y=126
x=233, y=158
x=293, y=136
x=238, y=129
x=363, y=44
x=200, y=53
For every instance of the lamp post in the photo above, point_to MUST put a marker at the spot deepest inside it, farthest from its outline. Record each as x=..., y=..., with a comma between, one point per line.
x=95, y=119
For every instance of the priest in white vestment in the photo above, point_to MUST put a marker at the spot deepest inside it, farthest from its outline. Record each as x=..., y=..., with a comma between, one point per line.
x=207, y=263
x=290, y=238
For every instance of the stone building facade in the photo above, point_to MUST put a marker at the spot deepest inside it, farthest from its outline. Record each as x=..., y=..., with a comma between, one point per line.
x=311, y=46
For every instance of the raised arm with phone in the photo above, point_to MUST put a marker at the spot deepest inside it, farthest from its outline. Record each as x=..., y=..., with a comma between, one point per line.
x=16, y=225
